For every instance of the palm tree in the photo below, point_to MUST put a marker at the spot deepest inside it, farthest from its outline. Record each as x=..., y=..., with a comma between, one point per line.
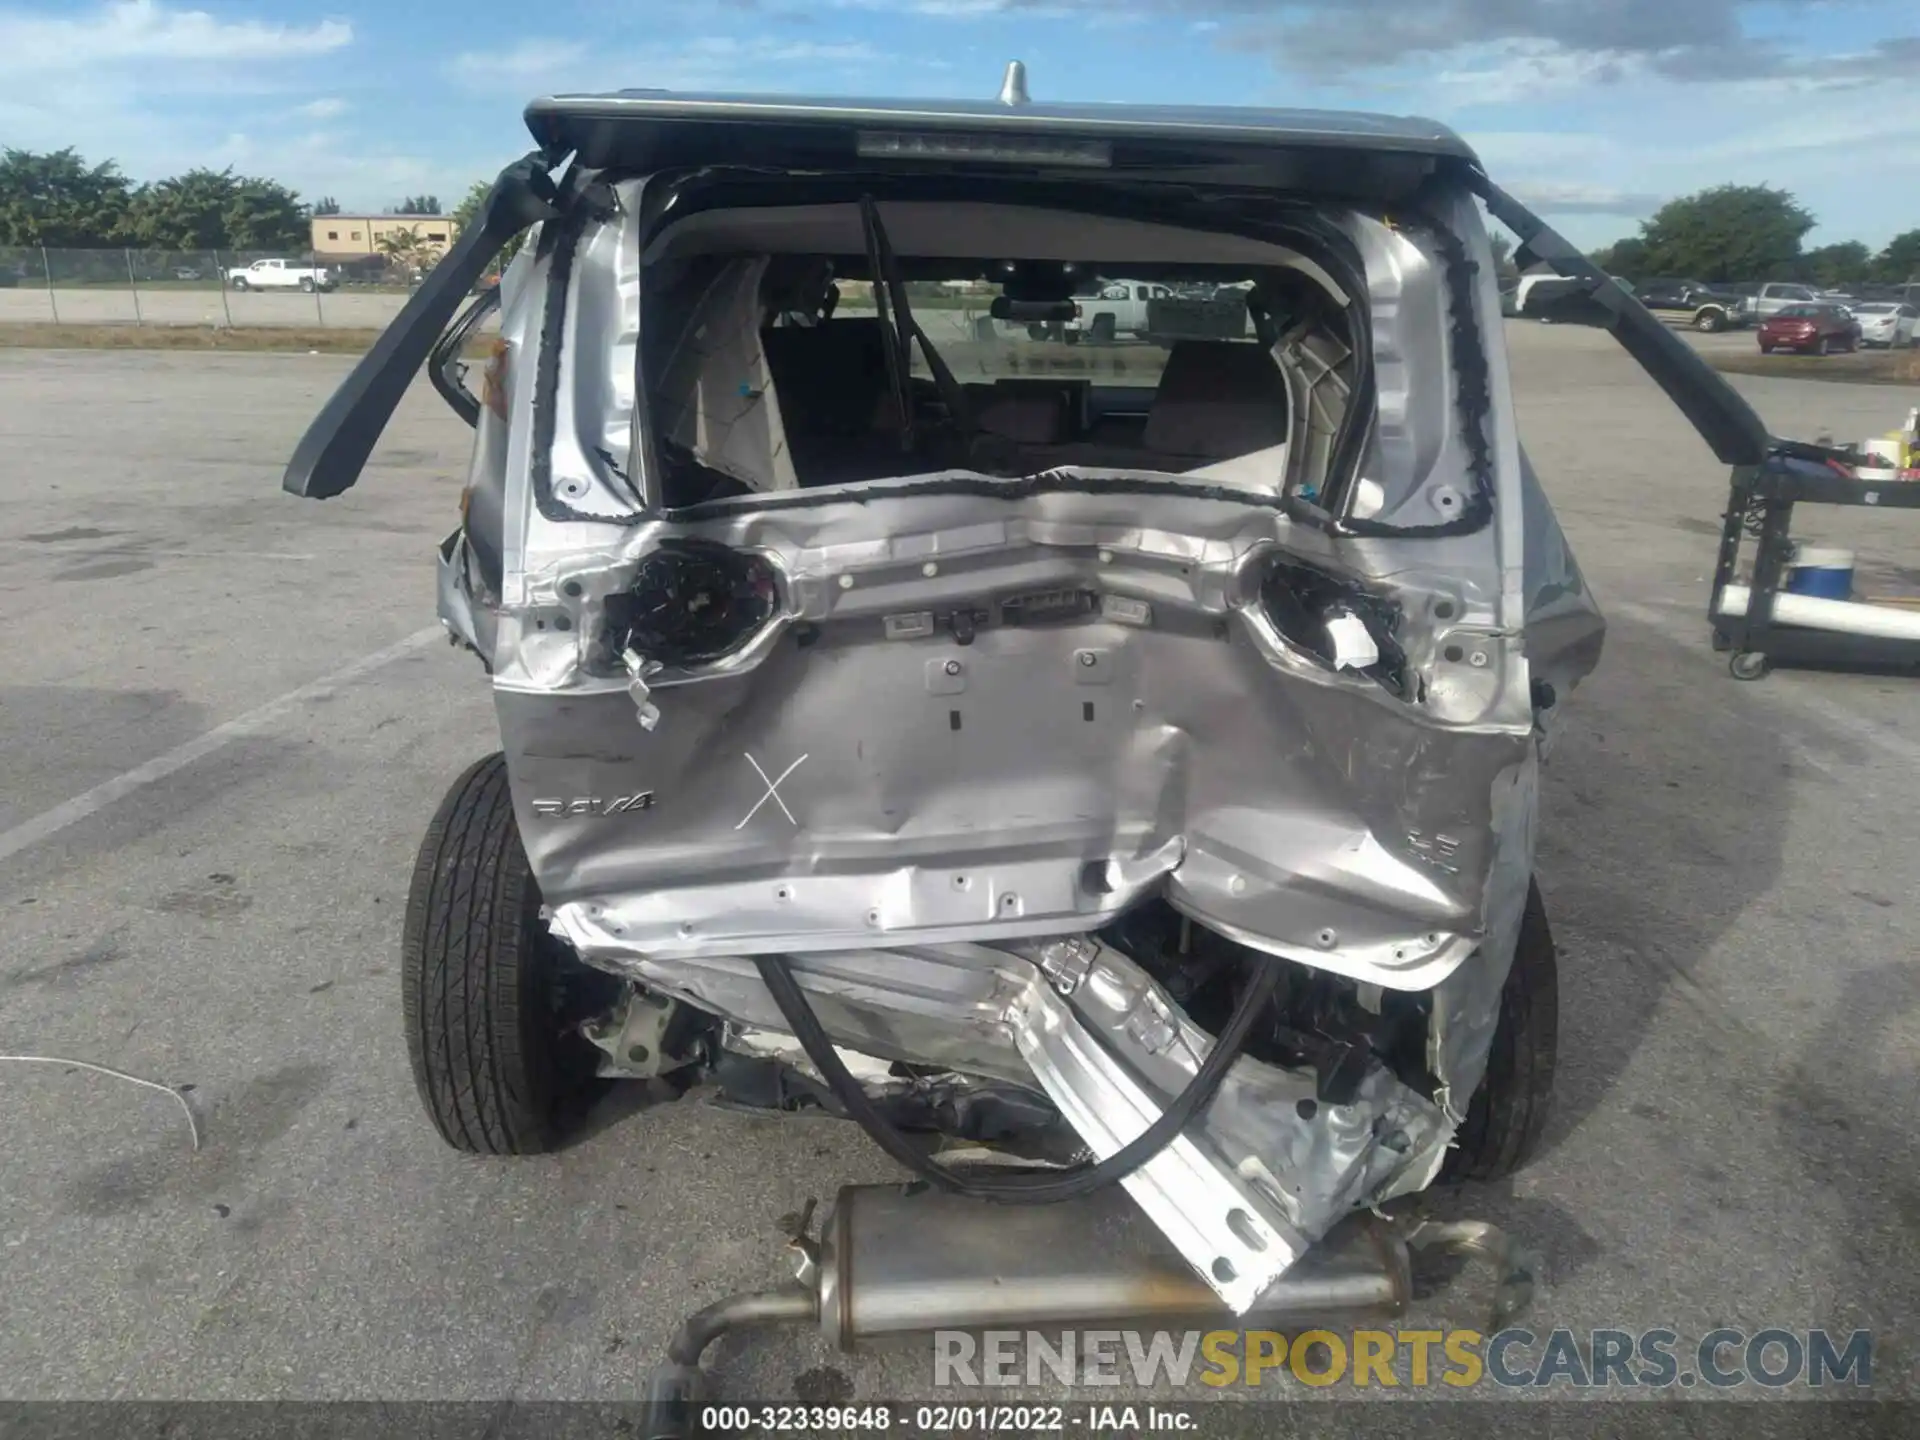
x=405, y=252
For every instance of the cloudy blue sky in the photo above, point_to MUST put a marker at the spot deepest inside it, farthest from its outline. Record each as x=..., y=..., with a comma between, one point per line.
x=1596, y=110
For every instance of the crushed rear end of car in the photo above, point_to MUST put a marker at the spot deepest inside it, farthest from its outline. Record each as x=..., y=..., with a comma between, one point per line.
x=1008, y=743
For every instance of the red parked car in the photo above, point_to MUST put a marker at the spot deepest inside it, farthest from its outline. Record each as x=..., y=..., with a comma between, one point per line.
x=1814, y=329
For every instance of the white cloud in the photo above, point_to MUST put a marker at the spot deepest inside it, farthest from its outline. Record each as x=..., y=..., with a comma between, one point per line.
x=143, y=31
x=786, y=52
x=1533, y=149
x=161, y=88
x=1875, y=124
x=1576, y=197
x=529, y=62
x=712, y=62
x=947, y=9
x=1515, y=70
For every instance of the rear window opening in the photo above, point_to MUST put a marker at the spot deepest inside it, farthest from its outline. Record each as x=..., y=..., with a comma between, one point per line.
x=1000, y=340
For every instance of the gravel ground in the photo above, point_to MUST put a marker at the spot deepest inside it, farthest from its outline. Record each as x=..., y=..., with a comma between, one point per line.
x=1728, y=867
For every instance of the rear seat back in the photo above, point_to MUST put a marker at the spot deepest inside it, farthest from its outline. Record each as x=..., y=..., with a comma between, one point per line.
x=831, y=378
x=1217, y=399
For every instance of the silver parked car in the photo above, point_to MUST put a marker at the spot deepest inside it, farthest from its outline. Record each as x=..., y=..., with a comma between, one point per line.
x=1130, y=771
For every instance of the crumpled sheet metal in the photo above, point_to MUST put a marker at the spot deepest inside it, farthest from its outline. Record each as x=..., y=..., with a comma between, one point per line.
x=879, y=809
x=1297, y=1167
x=948, y=791
x=1466, y=1005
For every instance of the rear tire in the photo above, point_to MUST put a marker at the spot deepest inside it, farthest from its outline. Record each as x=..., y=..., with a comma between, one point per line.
x=489, y=996
x=240, y=282
x=307, y=285
x=1823, y=346
x=1707, y=322
x=1509, y=1112
x=1103, y=330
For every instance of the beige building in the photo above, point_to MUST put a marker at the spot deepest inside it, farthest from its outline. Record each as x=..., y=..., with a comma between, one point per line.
x=342, y=236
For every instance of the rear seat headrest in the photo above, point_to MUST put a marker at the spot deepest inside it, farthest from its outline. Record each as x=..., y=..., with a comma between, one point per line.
x=1217, y=399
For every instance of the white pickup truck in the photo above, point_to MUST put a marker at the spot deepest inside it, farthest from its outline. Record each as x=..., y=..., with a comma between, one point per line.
x=281, y=275
x=1119, y=308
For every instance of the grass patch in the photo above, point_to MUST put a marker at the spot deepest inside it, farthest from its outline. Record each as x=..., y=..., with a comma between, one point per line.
x=37, y=336
x=1867, y=367
x=290, y=339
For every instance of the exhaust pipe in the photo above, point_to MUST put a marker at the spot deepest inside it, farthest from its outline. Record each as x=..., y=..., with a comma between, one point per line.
x=893, y=1260
x=900, y=1259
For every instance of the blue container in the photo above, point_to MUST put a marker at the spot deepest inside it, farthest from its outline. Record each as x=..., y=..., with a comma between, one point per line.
x=1827, y=574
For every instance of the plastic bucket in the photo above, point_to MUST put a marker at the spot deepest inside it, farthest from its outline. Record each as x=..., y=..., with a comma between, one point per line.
x=1827, y=574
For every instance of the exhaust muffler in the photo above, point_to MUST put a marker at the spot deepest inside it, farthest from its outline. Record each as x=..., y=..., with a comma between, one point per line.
x=893, y=1260
x=903, y=1259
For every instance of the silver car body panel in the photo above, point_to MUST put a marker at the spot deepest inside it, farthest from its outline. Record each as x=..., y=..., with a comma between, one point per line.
x=1305, y=811
x=910, y=817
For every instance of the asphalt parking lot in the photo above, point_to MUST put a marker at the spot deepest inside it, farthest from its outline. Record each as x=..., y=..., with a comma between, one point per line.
x=1729, y=869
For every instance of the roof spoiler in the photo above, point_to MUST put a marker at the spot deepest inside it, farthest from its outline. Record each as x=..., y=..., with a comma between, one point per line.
x=1731, y=428
x=331, y=454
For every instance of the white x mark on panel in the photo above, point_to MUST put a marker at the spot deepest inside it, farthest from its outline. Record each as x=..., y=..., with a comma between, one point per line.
x=773, y=791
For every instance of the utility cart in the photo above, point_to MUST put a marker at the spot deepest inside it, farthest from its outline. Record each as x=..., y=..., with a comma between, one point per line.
x=1763, y=632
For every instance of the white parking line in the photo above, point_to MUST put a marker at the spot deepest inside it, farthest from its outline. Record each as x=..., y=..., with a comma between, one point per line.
x=92, y=802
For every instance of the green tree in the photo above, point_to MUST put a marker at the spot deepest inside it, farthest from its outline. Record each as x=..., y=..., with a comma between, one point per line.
x=326, y=205
x=468, y=210
x=1899, y=263
x=405, y=251
x=184, y=212
x=216, y=209
x=1847, y=263
x=418, y=205
x=1505, y=271
x=1731, y=232
x=1626, y=258
x=469, y=205
x=57, y=199
x=265, y=215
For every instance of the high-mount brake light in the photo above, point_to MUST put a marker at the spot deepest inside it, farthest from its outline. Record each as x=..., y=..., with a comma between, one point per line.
x=1012, y=150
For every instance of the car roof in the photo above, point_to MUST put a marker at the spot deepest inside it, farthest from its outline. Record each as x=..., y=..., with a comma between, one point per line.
x=644, y=130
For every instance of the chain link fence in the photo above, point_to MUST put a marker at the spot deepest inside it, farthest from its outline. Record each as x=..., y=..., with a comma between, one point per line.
x=243, y=288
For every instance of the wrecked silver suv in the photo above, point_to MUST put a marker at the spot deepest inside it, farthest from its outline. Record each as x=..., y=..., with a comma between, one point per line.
x=1120, y=757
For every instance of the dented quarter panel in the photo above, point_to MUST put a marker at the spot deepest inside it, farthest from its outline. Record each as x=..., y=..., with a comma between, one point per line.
x=1298, y=802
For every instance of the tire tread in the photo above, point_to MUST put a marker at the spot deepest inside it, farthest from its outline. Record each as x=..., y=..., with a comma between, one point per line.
x=472, y=992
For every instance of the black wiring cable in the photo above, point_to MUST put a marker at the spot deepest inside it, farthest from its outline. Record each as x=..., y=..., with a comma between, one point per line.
x=1053, y=1186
